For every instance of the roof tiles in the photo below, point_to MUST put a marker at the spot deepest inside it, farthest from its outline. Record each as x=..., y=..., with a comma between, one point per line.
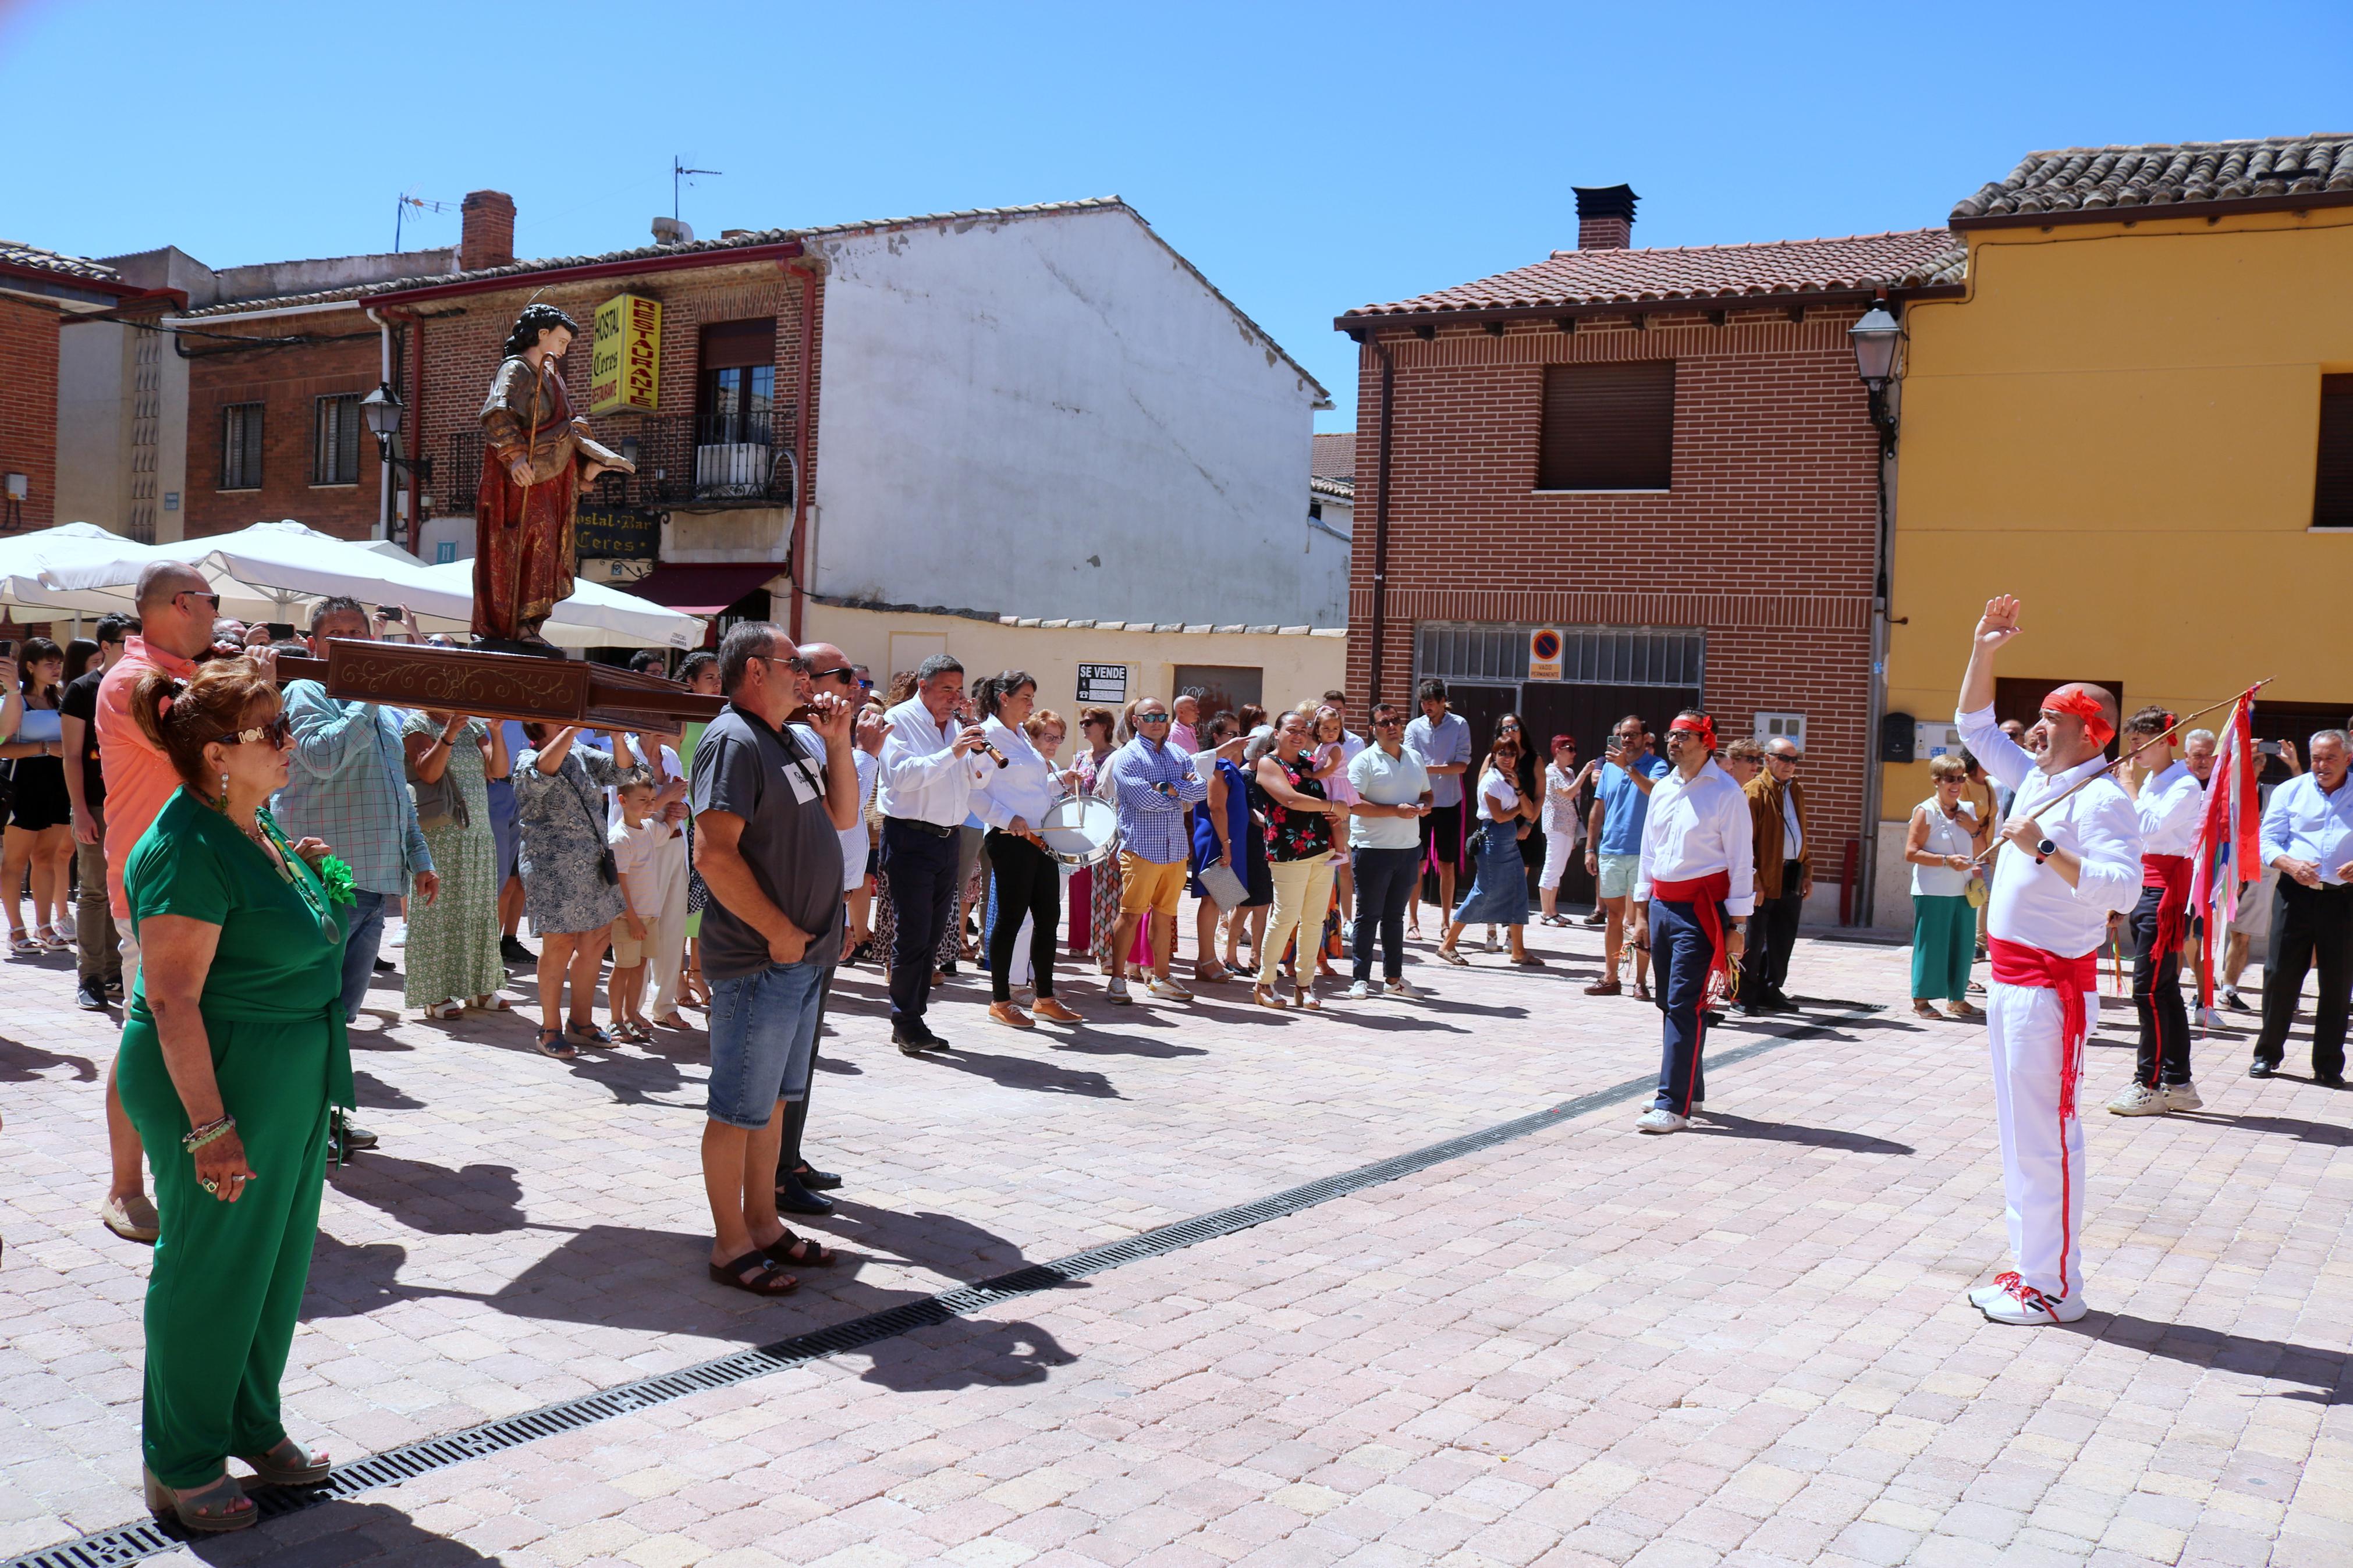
x=15, y=253
x=1703, y=272
x=2096, y=179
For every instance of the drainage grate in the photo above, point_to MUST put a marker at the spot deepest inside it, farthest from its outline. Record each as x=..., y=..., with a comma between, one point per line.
x=133, y=1543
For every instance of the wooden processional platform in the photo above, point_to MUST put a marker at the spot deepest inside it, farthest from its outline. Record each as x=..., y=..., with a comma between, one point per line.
x=503, y=686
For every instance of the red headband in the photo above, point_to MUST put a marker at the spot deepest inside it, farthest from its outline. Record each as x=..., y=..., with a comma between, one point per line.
x=1703, y=726
x=2076, y=698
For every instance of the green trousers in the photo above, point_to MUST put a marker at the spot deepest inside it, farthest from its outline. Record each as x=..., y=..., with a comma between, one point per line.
x=226, y=1286
x=1944, y=945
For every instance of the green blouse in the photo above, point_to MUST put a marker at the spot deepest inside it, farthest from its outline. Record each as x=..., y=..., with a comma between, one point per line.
x=281, y=956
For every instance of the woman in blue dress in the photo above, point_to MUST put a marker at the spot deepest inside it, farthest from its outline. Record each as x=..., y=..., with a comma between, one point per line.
x=1227, y=805
x=1499, y=892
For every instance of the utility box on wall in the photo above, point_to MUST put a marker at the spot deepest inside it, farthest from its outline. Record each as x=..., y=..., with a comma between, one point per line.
x=1898, y=735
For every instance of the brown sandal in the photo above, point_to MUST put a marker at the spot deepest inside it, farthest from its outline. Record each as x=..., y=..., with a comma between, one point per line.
x=800, y=1251
x=755, y=1273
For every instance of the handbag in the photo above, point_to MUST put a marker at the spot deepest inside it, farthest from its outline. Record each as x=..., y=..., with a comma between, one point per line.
x=608, y=868
x=1221, y=884
x=440, y=803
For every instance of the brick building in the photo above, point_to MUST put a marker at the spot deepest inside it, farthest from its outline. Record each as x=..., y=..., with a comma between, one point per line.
x=39, y=290
x=1662, y=455
x=1041, y=413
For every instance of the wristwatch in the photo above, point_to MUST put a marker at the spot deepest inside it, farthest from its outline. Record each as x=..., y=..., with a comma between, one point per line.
x=2043, y=851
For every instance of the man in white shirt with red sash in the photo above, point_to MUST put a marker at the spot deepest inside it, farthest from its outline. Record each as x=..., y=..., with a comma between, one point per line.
x=2066, y=865
x=1697, y=875
x=2170, y=802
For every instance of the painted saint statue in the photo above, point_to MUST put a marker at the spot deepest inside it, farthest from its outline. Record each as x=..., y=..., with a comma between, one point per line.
x=539, y=458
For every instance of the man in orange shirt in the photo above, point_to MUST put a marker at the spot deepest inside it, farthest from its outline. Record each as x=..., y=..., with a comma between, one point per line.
x=176, y=610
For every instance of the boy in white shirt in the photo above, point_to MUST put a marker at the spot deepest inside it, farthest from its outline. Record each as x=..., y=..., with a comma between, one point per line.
x=636, y=842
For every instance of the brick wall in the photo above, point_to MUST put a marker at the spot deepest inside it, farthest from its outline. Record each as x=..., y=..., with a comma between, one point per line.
x=1766, y=539
x=462, y=341
x=29, y=408
x=341, y=352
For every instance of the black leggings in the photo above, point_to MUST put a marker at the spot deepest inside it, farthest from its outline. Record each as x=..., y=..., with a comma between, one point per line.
x=1030, y=883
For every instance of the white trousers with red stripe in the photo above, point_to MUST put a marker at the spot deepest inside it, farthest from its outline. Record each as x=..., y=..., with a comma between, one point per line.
x=2041, y=1156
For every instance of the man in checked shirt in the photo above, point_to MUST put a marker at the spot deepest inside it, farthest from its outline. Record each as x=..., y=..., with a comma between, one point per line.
x=346, y=785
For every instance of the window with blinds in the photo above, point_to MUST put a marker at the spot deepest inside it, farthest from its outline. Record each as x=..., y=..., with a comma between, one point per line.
x=241, y=446
x=335, y=441
x=1608, y=426
x=2332, y=493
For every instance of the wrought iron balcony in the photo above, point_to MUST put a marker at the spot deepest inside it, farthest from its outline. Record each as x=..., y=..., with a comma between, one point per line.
x=682, y=461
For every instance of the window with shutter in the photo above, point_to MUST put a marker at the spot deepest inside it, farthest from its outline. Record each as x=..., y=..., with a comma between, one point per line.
x=335, y=441
x=1608, y=426
x=241, y=446
x=2332, y=492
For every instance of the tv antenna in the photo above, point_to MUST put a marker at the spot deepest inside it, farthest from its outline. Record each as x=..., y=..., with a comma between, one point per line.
x=408, y=199
x=679, y=172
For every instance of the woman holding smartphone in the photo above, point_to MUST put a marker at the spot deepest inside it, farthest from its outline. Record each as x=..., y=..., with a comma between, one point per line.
x=39, y=837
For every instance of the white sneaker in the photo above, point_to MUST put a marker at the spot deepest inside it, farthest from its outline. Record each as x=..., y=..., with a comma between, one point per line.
x=1361, y=990
x=2025, y=1306
x=1405, y=990
x=2138, y=1100
x=1985, y=1296
x=2182, y=1097
x=1659, y=1118
x=1167, y=991
x=1490, y=945
x=1116, y=991
x=2209, y=1019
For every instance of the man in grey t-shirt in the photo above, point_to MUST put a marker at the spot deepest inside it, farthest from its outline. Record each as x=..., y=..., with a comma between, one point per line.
x=767, y=821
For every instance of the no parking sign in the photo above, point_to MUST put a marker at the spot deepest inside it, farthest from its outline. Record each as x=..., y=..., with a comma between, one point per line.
x=1544, y=654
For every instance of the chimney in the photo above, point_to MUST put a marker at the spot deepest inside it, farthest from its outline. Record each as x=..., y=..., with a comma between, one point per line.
x=486, y=232
x=1605, y=216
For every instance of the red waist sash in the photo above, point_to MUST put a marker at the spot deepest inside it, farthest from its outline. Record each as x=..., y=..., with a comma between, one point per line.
x=2015, y=963
x=2171, y=872
x=1708, y=894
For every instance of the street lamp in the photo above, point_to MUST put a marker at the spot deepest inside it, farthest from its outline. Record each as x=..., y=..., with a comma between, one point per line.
x=382, y=409
x=1876, y=338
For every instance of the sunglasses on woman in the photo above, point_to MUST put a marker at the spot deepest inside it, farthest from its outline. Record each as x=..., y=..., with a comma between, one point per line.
x=278, y=731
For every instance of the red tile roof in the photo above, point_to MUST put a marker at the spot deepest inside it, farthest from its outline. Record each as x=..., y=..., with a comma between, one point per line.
x=1710, y=272
x=1334, y=455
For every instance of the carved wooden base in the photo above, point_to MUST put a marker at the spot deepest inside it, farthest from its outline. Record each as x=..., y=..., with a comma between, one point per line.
x=502, y=686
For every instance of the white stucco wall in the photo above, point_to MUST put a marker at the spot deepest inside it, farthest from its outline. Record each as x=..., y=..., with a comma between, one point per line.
x=1051, y=416
x=94, y=434
x=1324, y=572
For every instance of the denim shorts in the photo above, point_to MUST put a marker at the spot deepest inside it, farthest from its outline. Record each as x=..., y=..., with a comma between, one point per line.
x=763, y=1041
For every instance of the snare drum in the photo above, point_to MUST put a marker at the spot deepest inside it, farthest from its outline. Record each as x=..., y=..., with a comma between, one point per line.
x=1078, y=830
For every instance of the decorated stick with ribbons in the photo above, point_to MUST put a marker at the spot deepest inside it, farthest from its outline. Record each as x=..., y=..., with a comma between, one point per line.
x=2125, y=753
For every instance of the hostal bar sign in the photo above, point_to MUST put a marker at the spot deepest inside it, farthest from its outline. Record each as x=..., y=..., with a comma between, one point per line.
x=625, y=358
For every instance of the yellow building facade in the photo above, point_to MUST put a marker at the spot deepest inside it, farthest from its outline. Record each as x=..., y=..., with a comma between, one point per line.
x=2120, y=420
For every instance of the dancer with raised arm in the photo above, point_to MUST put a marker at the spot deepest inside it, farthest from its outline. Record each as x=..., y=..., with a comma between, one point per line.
x=2066, y=864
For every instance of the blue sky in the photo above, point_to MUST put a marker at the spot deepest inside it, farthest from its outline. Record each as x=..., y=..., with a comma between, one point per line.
x=1308, y=158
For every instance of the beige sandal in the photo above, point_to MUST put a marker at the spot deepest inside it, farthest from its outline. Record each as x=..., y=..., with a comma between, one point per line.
x=1266, y=996
x=209, y=1509
x=288, y=1464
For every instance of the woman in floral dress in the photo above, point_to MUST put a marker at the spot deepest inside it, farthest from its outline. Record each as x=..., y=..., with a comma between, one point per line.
x=452, y=957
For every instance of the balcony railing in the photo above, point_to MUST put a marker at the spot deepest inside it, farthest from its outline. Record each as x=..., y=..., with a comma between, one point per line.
x=682, y=461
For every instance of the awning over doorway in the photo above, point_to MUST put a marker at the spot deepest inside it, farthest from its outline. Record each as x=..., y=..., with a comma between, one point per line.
x=705, y=588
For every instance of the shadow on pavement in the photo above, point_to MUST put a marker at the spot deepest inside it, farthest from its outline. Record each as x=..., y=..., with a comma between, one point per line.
x=2317, y=1132
x=480, y=1199
x=1723, y=1126
x=21, y=1063
x=1020, y=1072
x=1102, y=1042
x=983, y=1354
x=374, y=1094
x=2323, y=1373
x=341, y=1533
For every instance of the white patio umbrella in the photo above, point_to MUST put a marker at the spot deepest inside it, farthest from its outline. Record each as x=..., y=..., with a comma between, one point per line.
x=597, y=615
x=270, y=571
x=25, y=557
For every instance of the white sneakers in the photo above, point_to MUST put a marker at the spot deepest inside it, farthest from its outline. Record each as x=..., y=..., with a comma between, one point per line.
x=1163, y=989
x=2139, y=1099
x=1361, y=990
x=1659, y=1118
x=2009, y=1300
x=2209, y=1019
x=1404, y=989
x=1117, y=991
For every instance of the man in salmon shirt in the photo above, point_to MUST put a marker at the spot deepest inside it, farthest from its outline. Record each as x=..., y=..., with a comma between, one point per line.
x=176, y=610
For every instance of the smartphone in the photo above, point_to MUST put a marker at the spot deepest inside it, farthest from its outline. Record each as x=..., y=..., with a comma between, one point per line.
x=390, y=612
x=8, y=648
x=2267, y=748
x=281, y=631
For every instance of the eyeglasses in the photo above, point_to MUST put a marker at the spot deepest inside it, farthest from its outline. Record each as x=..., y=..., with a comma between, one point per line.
x=829, y=674
x=278, y=731
x=1777, y=757
x=1152, y=718
x=1388, y=723
x=212, y=601
x=796, y=664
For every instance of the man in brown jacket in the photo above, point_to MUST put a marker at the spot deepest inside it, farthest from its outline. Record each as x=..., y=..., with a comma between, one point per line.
x=1784, y=875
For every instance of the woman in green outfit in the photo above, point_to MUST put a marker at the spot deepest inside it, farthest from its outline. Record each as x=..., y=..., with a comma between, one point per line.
x=232, y=1050
x=452, y=959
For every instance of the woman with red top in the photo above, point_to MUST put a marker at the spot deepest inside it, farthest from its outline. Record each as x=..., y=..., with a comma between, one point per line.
x=1298, y=850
